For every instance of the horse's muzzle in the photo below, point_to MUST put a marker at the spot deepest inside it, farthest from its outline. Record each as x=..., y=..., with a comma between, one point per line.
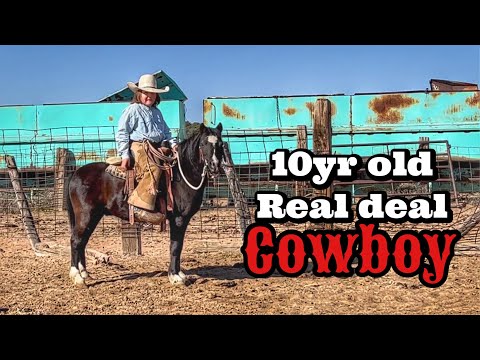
x=214, y=174
x=213, y=171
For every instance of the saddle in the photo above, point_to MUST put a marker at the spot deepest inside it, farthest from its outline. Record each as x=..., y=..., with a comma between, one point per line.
x=164, y=203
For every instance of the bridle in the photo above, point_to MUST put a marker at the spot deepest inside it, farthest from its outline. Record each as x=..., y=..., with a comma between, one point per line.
x=169, y=161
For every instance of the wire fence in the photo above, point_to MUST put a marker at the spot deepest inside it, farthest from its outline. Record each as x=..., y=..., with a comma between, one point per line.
x=217, y=225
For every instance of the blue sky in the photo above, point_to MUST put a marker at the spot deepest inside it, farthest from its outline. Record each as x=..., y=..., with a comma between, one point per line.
x=33, y=75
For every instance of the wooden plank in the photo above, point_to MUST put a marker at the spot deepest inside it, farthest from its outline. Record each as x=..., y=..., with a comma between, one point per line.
x=59, y=186
x=22, y=202
x=322, y=139
x=322, y=134
x=131, y=238
x=301, y=144
x=64, y=166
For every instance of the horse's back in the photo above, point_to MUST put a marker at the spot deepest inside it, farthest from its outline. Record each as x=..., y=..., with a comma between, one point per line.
x=92, y=178
x=90, y=170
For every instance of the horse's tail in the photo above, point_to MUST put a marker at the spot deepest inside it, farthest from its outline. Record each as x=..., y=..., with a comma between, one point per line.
x=71, y=215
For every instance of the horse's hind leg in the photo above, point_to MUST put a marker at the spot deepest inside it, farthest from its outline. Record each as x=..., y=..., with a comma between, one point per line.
x=85, y=224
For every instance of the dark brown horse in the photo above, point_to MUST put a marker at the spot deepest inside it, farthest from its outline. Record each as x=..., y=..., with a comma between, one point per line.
x=93, y=193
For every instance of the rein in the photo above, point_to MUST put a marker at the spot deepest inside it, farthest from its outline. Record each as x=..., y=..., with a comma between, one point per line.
x=204, y=172
x=156, y=157
x=154, y=154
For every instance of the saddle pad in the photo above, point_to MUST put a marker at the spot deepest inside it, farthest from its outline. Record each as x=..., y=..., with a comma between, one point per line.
x=116, y=171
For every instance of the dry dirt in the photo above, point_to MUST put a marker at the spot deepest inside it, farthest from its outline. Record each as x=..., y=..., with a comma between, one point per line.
x=33, y=284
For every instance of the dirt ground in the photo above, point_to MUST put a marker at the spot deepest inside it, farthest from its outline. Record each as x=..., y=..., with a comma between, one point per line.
x=33, y=284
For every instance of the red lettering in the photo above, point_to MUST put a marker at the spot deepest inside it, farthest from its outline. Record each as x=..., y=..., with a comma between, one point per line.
x=299, y=254
x=262, y=254
x=399, y=254
x=366, y=252
x=251, y=250
x=334, y=249
x=440, y=261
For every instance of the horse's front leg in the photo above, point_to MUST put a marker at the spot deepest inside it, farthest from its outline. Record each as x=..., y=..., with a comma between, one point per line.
x=178, y=227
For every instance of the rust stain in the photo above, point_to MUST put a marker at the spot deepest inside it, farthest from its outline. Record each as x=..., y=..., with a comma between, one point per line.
x=333, y=109
x=228, y=111
x=385, y=129
x=454, y=109
x=386, y=107
x=2, y=158
x=290, y=111
x=474, y=100
x=207, y=106
x=110, y=118
x=475, y=118
x=111, y=152
x=88, y=155
x=311, y=107
x=435, y=94
x=419, y=120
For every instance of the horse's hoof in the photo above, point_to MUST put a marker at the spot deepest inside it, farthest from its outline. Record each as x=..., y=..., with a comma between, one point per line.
x=78, y=277
x=79, y=281
x=178, y=279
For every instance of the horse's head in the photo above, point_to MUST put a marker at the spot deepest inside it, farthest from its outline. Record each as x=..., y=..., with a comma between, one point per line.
x=211, y=148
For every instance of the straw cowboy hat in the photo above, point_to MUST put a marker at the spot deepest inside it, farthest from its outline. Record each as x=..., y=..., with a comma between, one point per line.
x=147, y=83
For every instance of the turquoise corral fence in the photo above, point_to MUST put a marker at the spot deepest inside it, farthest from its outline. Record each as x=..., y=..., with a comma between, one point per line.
x=356, y=119
x=30, y=133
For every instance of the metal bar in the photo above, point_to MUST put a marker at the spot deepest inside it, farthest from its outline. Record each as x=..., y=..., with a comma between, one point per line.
x=390, y=143
x=451, y=174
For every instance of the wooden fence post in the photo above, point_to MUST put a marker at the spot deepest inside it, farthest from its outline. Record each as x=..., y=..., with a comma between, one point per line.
x=322, y=134
x=22, y=202
x=131, y=238
x=301, y=144
x=322, y=138
x=64, y=166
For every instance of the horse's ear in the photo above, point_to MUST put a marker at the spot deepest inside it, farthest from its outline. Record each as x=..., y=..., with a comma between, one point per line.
x=201, y=128
x=220, y=127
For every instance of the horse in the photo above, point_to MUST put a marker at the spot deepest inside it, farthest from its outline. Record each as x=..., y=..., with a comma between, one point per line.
x=93, y=193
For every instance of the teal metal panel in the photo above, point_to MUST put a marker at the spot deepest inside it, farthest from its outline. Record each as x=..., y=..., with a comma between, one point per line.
x=415, y=112
x=24, y=155
x=17, y=117
x=356, y=119
x=104, y=115
x=17, y=122
x=294, y=111
x=254, y=148
x=241, y=113
x=274, y=112
x=33, y=133
x=283, y=113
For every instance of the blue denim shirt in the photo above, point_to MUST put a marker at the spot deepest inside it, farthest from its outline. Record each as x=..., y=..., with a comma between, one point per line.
x=139, y=122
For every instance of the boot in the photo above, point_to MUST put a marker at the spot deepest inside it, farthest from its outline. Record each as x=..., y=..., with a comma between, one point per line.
x=141, y=215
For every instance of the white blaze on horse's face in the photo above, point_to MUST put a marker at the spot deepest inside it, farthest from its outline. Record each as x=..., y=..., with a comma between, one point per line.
x=214, y=140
